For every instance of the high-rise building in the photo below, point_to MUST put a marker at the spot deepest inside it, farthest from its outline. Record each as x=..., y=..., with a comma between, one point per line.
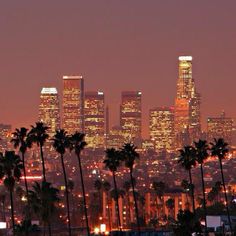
x=187, y=105
x=115, y=139
x=161, y=128
x=131, y=115
x=94, y=119
x=220, y=127
x=49, y=109
x=73, y=104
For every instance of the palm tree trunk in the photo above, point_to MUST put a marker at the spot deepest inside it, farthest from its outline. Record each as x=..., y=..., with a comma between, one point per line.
x=117, y=201
x=204, y=198
x=109, y=213
x=192, y=191
x=67, y=195
x=26, y=185
x=135, y=202
x=24, y=170
x=84, y=196
x=12, y=213
x=226, y=198
x=43, y=163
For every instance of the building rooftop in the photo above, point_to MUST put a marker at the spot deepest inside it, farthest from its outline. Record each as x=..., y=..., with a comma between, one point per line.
x=49, y=91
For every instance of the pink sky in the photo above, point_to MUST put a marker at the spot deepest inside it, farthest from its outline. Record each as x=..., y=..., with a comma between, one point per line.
x=116, y=45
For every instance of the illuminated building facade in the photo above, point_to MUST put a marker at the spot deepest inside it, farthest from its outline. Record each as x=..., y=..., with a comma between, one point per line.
x=94, y=119
x=220, y=127
x=187, y=105
x=161, y=128
x=5, y=137
x=115, y=139
x=49, y=109
x=131, y=115
x=73, y=104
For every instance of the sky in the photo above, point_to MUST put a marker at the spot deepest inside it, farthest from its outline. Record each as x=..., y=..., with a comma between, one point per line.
x=116, y=45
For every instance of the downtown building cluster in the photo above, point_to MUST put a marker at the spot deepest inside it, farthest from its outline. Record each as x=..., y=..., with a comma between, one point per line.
x=170, y=128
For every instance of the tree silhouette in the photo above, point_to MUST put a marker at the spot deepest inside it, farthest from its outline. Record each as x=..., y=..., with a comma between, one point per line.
x=38, y=134
x=107, y=187
x=77, y=144
x=43, y=199
x=214, y=193
x=187, y=158
x=10, y=173
x=201, y=150
x=129, y=156
x=61, y=143
x=20, y=140
x=186, y=187
x=220, y=149
x=98, y=187
x=170, y=204
x=187, y=224
x=159, y=188
x=112, y=161
x=127, y=186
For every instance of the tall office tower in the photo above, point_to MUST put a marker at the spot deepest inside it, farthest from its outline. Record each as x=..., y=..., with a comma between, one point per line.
x=161, y=128
x=187, y=105
x=115, y=139
x=49, y=109
x=220, y=127
x=94, y=119
x=107, y=120
x=73, y=104
x=131, y=115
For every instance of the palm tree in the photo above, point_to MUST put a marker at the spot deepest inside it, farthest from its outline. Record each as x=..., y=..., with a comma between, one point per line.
x=214, y=193
x=159, y=188
x=186, y=187
x=201, y=152
x=60, y=143
x=107, y=188
x=129, y=155
x=127, y=187
x=20, y=140
x=170, y=204
x=187, y=224
x=71, y=187
x=112, y=161
x=43, y=199
x=3, y=201
x=38, y=134
x=77, y=144
x=10, y=173
x=188, y=161
x=98, y=187
x=220, y=149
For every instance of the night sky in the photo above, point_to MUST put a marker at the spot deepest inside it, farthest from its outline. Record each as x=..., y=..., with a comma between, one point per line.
x=116, y=45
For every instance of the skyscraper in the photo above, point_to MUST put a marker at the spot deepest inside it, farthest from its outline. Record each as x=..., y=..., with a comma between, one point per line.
x=161, y=128
x=187, y=105
x=73, y=104
x=131, y=115
x=49, y=110
x=220, y=127
x=94, y=119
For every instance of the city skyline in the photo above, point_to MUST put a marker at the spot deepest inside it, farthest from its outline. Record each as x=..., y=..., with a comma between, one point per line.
x=137, y=51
